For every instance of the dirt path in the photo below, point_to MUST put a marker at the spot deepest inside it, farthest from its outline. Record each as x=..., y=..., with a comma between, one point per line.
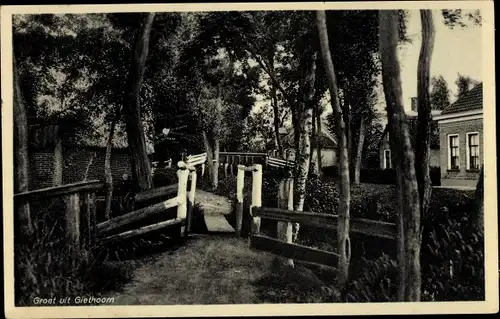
x=208, y=269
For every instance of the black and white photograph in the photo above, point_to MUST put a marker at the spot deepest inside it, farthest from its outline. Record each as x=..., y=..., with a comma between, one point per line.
x=249, y=159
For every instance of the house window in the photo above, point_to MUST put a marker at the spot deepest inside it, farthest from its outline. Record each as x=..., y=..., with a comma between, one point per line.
x=473, y=151
x=387, y=159
x=453, y=155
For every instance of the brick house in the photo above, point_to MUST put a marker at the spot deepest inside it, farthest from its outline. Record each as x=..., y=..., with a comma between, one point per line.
x=328, y=146
x=385, y=155
x=76, y=158
x=461, y=138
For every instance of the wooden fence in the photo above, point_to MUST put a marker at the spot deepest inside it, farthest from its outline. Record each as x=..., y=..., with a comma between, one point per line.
x=285, y=215
x=183, y=220
x=79, y=212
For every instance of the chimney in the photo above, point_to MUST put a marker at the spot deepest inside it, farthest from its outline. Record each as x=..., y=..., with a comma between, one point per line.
x=414, y=104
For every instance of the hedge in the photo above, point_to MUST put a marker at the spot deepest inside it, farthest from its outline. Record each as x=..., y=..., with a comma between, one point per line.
x=381, y=176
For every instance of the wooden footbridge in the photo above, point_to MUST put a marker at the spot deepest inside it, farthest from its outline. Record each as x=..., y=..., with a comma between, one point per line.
x=171, y=207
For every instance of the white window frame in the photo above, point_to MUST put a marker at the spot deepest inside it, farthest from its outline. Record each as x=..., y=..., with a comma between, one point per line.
x=385, y=158
x=448, y=149
x=468, y=148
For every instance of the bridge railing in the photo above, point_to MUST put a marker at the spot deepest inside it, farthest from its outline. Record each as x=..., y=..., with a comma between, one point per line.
x=114, y=228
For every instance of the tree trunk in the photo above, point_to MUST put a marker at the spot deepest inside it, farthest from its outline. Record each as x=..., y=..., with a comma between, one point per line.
x=314, y=142
x=422, y=147
x=277, y=123
x=89, y=164
x=344, y=200
x=57, y=177
x=107, y=168
x=479, y=203
x=359, y=152
x=303, y=152
x=408, y=220
x=319, y=156
x=21, y=156
x=141, y=167
x=210, y=156
x=215, y=180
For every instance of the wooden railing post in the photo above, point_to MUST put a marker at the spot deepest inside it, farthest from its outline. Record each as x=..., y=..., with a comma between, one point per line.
x=231, y=166
x=240, y=184
x=192, y=193
x=182, y=176
x=72, y=224
x=88, y=224
x=256, y=197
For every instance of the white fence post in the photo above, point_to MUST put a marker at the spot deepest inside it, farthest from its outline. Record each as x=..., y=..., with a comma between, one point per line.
x=240, y=184
x=256, y=197
x=192, y=193
x=182, y=176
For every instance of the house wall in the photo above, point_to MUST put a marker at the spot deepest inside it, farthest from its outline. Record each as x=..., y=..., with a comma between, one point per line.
x=76, y=160
x=328, y=156
x=41, y=168
x=435, y=154
x=462, y=176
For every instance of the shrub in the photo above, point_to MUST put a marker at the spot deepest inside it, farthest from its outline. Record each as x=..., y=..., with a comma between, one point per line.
x=375, y=281
x=43, y=265
x=435, y=174
x=381, y=176
x=452, y=253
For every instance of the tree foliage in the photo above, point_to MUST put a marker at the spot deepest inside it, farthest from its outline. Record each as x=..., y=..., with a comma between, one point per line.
x=440, y=94
x=464, y=83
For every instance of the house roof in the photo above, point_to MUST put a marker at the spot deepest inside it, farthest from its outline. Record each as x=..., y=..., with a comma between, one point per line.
x=471, y=100
x=326, y=140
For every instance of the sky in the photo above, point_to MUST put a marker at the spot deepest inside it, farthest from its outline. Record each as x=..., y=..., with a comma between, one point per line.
x=455, y=51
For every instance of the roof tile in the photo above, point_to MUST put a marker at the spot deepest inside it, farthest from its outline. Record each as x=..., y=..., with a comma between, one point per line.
x=471, y=100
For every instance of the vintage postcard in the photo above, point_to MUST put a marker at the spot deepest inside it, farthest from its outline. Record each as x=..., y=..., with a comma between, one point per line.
x=224, y=159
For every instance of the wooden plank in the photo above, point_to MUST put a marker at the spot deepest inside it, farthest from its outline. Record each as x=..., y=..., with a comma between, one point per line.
x=247, y=169
x=146, y=229
x=293, y=251
x=137, y=215
x=190, y=157
x=357, y=225
x=373, y=228
x=155, y=193
x=197, y=161
x=90, y=186
x=306, y=218
x=218, y=224
x=242, y=154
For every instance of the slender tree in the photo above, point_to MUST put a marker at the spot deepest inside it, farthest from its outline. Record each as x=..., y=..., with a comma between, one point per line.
x=344, y=201
x=422, y=145
x=408, y=219
x=304, y=150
